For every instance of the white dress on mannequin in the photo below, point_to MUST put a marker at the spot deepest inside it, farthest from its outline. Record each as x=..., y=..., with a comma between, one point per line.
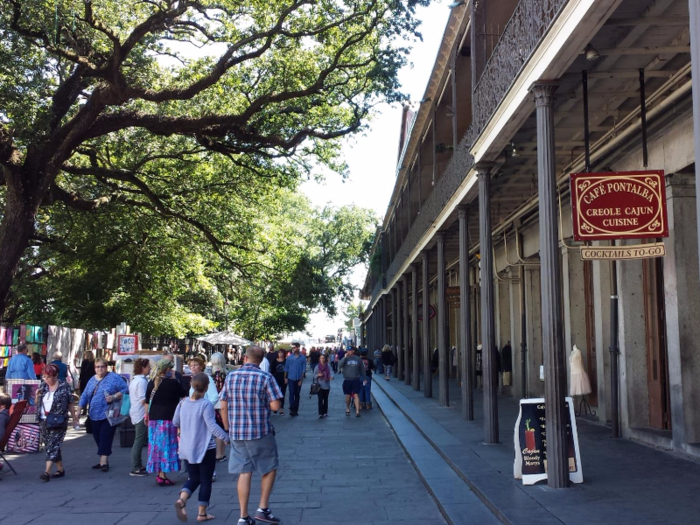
x=580, y=383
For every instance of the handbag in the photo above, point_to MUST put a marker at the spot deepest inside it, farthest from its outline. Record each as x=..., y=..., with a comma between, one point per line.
x=126, y=405
x=315, y=388
x=56, y=422
x=88, y=421
x=114, y=413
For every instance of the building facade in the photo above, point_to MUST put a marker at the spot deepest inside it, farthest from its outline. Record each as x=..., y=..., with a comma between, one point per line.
x=477, y=249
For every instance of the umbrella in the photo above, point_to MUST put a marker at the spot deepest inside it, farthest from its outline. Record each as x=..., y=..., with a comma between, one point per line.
x=225, y=338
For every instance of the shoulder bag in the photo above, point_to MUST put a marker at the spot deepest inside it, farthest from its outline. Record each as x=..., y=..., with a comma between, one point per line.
x=88, y=421
x=315, y=387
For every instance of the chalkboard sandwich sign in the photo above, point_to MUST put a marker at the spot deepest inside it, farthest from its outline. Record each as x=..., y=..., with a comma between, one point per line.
x=530, y=440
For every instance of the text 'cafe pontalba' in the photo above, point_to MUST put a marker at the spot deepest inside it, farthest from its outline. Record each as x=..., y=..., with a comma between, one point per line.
x=547, y=181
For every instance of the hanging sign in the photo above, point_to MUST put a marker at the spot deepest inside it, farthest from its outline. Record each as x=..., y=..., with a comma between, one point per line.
x=619, y=205
x=530, y=439
x=127, y=344
x=640, y=251
x=452, y=294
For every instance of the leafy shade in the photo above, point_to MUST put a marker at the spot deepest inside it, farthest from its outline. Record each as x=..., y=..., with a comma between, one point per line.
x=109, y=104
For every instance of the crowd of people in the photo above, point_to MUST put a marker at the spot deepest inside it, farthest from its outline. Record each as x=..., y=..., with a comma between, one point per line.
x=192, y=423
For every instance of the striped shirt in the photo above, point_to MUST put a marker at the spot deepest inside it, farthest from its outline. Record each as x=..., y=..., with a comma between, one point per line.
x=249, y=392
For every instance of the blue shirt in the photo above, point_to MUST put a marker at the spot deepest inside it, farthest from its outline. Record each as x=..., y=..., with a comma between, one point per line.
x=295, y=367
x=20, y=367
x=62, y=369
x=109, y=385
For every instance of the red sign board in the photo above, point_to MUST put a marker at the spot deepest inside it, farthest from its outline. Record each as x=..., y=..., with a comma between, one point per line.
x=619, y=205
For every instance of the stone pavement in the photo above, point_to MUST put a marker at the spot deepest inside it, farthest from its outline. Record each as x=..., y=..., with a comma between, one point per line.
x=624, y=482
x=338, y=470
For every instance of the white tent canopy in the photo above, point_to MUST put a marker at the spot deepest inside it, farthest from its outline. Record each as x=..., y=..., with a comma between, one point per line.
x=225, y=338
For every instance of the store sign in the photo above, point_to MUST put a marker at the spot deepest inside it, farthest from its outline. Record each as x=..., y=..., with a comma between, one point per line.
x=452, y=294
x=606, y=253
x=619, y=205
x=127, y=344
x=530, y=440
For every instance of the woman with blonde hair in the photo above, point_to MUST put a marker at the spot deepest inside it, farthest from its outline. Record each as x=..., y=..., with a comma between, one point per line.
x=388, y=359
x=163, y=394
x=195, y=418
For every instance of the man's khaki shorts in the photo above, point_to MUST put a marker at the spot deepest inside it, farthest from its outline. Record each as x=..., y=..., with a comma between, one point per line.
x=255, y=455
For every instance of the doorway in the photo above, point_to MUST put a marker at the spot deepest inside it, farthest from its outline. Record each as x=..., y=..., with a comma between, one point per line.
x=657, y=352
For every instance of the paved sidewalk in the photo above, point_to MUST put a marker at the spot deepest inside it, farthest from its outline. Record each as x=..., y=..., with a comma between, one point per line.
x=624, y=482
x=338, y=470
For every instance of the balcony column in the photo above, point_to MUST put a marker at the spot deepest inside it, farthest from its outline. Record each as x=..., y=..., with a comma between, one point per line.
x=443, y=379
x=694, y=12
x=551, y=290
x=398, y=372
x=488, y=333
x=384, y=324
x=465, y=335
x=406, y=346
x=414, y=329
x=427, y=377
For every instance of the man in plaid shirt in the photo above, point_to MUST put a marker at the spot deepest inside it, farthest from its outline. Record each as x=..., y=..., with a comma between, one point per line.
x=247, y=397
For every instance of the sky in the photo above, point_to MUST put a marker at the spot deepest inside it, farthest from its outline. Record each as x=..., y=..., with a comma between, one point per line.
x=372, y=157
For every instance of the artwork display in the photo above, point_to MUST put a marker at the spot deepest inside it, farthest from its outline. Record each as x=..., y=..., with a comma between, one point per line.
x=25, y=389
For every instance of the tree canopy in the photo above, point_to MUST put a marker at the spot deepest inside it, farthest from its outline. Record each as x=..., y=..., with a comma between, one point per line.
x=134, y=132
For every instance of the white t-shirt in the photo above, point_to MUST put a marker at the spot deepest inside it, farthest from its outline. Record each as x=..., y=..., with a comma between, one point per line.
x=47, y=402
x=137, y=396
x=265, y=365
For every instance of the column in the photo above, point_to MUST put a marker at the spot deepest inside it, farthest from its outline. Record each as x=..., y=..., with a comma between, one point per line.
x=427, y=377
x=414, y=329
x=383, y=334
x=465, y=335
x=488, y=335
x=694, y=12
x=398, y=371
x=443, y=380
x=551, y=290
x=406, y=345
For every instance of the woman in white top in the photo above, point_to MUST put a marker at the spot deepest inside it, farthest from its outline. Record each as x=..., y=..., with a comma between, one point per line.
x=139, y=414
x=54, y=401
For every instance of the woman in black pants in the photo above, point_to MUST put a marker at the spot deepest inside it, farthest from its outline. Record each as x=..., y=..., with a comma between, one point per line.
x=323, y=375
x=277, y=370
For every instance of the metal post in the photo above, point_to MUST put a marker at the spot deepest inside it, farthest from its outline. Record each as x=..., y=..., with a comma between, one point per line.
x=551, y=291
x=427, y=377
x=399, y=334
x=694, y=15
x=406, y=360
x=643, y=106
x=414, y=328
x=523, y=335
x=453, y=66
x=465, y=318
x=586, y=127
x=614, y=352
x=488, y=332
x=443, y=380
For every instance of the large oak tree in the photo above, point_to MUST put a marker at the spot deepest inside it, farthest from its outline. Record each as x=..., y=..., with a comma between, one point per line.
x=110, y=103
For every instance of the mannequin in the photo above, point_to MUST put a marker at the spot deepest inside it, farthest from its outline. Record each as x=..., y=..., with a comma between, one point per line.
x=580, y=383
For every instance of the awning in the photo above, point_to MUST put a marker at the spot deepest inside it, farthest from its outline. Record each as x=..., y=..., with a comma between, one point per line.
x=225, y=338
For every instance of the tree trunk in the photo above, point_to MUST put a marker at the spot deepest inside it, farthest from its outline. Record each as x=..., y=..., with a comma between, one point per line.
x=15, y=231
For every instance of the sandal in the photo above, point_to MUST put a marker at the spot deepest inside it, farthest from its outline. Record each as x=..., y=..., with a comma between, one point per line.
x=205, y=517
x=180, y=510
x=45, y=476
x=357, y=414
x=59, y=473
x=347, y=412
x=168, y=482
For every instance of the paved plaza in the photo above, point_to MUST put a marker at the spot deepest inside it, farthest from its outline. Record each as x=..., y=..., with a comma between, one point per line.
x=339, y=470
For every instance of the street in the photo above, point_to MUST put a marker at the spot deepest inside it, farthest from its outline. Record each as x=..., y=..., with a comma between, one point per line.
x=343, y=470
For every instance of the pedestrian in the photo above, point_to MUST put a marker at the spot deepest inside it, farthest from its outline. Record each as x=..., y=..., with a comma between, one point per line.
x=218, y=375
x=20, y=365
x=194, y=416
x=62, y=367
x=197, y=366
x=379, y=367
x=87, y=369
x=278, y=374
x=334, y=360
x=294, y=372
x=103, y=388
x=54, y=401
x=38, y=364
x=177, y=375
x=323, y=375
x=138, y=414
x=388, y=359
x=163, y=394
x=314, y=356
x=246, y=400
x=366, y=389
x=353, y=371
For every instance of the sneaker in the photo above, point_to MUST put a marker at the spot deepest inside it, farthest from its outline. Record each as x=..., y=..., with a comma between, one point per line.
x=222, y=458
x=138, y=473
x=266, y=516
x=246, y=521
